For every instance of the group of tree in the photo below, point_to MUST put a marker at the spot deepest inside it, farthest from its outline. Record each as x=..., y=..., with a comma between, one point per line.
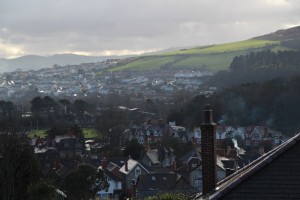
x=274, y=103
x=267, y=59
x=18, y=166
x=258, y=67
x=84, y=182
x=47, y=110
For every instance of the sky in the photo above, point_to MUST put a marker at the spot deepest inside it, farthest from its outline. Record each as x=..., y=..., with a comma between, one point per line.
x=122, y=27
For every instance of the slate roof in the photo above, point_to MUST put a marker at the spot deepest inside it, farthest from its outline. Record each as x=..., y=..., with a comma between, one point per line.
x=118, y=161
x=191, y=154
x=275, y=175
x=111, y=176
x=153, y=156
x=131, y=165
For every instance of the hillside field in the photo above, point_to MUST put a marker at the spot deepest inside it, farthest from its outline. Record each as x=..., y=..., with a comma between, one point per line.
x=215, y=57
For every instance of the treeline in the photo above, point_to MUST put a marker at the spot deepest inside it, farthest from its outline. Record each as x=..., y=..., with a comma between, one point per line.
x=267, y=59
x=257, y=67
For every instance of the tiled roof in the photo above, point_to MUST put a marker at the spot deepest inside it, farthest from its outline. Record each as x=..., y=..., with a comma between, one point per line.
x=111, y=176
x=274, y=175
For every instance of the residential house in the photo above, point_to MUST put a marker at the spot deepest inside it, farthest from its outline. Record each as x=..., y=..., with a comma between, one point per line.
x=192, y=168
x=263, y=136
x=130, y=172
x=159, y=159
x=154, y=132
x=69, y=147
x=85, y=120
x=179, y=132
x=46, y=158
x=115, y=187
x=147, y=133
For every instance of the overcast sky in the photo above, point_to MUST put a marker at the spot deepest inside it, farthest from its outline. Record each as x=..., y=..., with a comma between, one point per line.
x=110, y=27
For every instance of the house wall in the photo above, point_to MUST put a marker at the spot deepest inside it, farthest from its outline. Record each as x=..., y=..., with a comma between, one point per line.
x=110, y=192
x=131, y=175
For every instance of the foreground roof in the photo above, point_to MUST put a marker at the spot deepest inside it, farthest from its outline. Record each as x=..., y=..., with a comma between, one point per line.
x=275, y=175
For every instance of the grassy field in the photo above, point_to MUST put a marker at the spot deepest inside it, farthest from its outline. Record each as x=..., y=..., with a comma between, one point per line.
x=87, y=132
x=216, y=57
x=215, y=62
x=149, y=63
x=40, y=133
x=227, y=47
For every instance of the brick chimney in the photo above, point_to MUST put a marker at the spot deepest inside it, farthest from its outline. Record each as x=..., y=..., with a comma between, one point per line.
x=104, y=162
x=208, y=149
x=174, y=166
x=126, y=166
x=133, y=188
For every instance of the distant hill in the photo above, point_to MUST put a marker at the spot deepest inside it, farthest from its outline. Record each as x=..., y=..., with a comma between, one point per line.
x=216, y=56
x=37, y=62
x=282, y=35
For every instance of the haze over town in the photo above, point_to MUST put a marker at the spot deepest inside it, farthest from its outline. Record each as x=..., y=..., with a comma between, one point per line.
x=128, y=27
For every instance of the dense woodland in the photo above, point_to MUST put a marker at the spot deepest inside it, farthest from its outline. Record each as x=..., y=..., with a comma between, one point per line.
x=261, y=88
x=257, y=67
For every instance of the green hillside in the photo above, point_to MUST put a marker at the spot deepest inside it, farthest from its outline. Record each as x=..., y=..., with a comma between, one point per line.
x=216, y=57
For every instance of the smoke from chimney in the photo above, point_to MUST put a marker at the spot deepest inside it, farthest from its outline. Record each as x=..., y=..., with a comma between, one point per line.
x=235, y=144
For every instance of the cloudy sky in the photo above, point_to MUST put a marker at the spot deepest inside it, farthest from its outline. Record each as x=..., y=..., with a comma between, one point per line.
x=118, y=27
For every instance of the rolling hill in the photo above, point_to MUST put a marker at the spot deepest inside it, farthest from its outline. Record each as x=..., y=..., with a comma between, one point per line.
x=217, y=56
x=37, y=62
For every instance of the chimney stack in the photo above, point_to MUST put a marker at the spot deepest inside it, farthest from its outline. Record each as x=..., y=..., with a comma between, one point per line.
x=126, y=166
x=133, y=188
x=104, y=162
x=174, y=166
x=208, y=150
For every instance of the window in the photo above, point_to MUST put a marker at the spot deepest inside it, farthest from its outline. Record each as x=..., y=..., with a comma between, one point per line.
x=256, y=136
x=137, y=172
x=116, y=185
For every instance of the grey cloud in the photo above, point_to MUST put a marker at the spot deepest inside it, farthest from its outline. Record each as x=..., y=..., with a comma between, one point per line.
x=51, y=26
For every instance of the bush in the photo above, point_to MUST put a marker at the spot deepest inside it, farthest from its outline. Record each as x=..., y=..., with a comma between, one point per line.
x=169, y=196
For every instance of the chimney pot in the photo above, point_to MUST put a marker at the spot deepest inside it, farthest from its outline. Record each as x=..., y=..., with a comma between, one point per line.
x=208, y=119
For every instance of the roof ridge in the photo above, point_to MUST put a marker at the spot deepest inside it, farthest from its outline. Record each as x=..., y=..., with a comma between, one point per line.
x=254, y=167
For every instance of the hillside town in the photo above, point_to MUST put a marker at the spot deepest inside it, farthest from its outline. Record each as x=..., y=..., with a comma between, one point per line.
x=95, y=79
x=150, y=100
x=159, y=168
